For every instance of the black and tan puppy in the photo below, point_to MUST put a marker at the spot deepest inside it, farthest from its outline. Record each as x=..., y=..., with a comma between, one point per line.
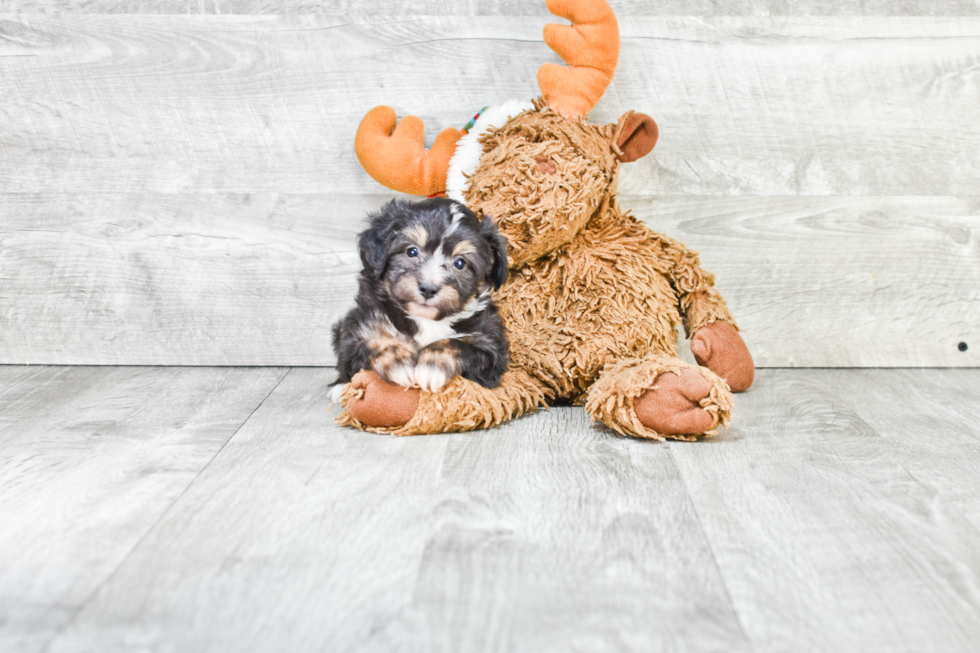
x=424, y=312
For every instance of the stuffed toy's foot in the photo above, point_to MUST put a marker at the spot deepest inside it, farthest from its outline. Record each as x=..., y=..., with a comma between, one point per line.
x=374, y=402
x=661, y=397
x=673, y=405
x=720, y=348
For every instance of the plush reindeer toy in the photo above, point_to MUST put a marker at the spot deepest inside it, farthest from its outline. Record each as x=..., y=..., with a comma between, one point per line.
x=594, y=297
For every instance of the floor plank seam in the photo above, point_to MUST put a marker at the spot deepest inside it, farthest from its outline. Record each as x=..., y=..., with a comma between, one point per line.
x=95, y=592
x=711, y=550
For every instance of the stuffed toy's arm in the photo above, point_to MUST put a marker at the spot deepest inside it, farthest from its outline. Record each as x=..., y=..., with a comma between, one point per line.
x=369, y=403
x=709, y=325
x=699, y=302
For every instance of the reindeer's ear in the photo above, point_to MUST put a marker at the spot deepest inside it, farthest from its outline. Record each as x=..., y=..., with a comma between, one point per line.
x=636, y=134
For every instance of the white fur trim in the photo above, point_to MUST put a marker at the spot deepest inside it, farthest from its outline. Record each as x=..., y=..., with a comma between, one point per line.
x=468, y=149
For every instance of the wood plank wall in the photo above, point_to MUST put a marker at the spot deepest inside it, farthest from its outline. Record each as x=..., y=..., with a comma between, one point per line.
x=178, y=184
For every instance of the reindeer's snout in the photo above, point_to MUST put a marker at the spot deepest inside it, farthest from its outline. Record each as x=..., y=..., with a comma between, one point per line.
x=545, y=165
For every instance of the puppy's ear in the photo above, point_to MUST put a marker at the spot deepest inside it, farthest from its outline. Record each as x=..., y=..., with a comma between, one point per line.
x=373, y=243
x=498, y=247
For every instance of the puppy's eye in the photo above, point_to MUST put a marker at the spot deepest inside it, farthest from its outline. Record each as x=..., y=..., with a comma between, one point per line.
x=412, y=252
x=459, y=264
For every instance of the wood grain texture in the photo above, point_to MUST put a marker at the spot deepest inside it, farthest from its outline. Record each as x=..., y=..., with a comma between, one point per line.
x=839, y=282
x=90, y=460
x=827, y=530
x=839, y=512
x=182, y=189
x=544, y=535
x=258, y=279
x=748, y=106
x=176, y=279
x=623, y=8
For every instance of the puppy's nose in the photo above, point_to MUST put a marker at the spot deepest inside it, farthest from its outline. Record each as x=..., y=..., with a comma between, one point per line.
x=427, y=289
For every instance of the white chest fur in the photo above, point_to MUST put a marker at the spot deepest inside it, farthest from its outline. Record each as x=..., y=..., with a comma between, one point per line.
x=430, y=331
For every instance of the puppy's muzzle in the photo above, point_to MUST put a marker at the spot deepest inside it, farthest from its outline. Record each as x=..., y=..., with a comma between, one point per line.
x=428, y=290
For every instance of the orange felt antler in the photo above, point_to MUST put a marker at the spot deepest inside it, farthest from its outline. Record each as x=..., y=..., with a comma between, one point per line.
x=590, y=47
x=396, y=156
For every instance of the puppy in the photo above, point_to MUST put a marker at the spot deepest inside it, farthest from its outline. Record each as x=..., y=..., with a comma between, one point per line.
x=424, y=312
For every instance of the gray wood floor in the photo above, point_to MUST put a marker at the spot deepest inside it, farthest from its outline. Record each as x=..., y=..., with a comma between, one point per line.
x=220, y=509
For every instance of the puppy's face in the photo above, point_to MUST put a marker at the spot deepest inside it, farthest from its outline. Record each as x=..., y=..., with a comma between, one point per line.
x=433, y=257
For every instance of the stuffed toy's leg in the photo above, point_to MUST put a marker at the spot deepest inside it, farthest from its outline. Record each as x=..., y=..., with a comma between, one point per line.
x=370, y=403
x=660, y=397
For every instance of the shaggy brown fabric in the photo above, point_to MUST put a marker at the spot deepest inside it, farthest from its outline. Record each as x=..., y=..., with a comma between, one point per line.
x=610, y=293
x=538, y=211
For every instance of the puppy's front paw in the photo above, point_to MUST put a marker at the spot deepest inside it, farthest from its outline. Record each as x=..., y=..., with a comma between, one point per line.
x=398, y=373
x=337, y=392
x=430, y=377
x=438, y=364
x=402, y=374
x=395, y=363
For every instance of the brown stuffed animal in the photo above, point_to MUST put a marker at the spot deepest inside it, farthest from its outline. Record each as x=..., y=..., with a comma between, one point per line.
x=594, y=297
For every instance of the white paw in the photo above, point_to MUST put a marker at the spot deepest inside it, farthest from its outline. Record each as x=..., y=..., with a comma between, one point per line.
x=403, y=375
x=430, y=377
x=337, y=392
